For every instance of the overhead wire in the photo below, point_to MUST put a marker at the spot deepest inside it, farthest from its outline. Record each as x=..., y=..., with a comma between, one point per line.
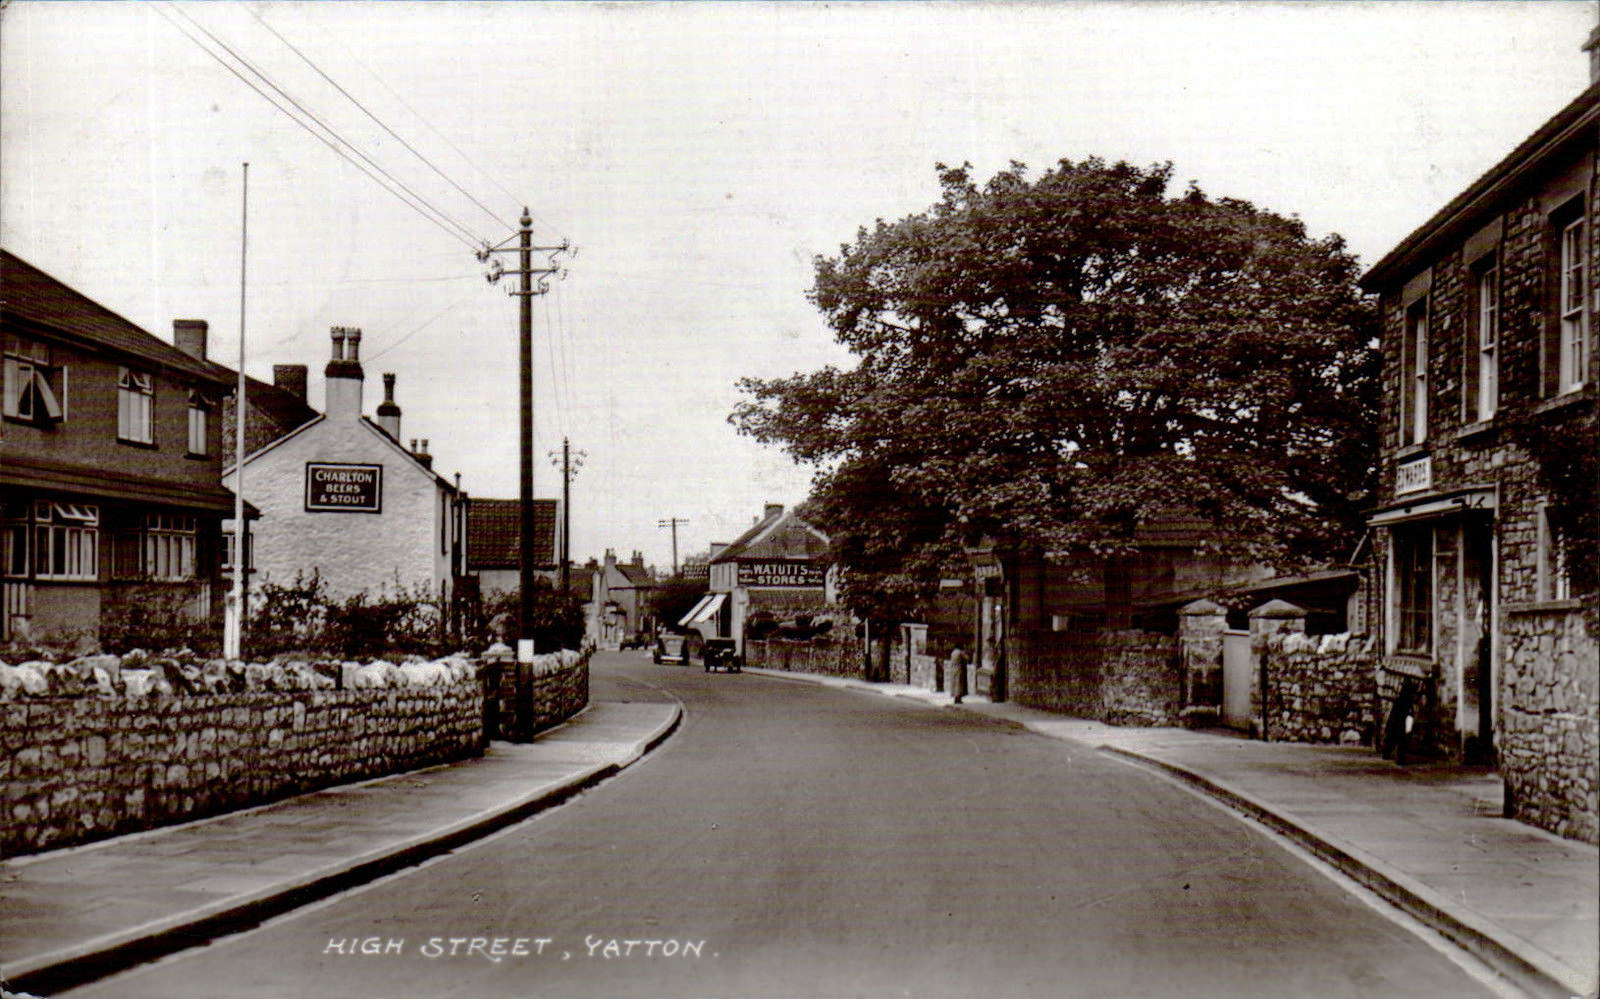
x=417, y=203
x=380, y=123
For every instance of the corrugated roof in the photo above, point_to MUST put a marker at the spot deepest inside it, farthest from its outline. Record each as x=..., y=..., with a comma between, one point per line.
x=494, y=533
x=32, y=296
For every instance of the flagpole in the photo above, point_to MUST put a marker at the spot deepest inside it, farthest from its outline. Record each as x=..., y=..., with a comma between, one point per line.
x=233, y=625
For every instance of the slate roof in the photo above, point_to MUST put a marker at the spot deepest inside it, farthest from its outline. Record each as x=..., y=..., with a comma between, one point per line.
x=776, y=535
x=273, y=412
x=494, y=533
x=637, y=575
x=32, y=296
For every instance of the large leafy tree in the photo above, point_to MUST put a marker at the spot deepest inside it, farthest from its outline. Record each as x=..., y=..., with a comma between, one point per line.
x=1053, y=361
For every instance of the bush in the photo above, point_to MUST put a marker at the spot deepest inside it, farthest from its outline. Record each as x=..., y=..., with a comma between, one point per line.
x=156, y=617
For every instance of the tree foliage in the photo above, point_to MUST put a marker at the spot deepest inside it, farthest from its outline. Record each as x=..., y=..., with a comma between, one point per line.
x=1054, y=361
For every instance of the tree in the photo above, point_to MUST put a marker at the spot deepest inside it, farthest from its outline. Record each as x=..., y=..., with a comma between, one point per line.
x=1053, y=362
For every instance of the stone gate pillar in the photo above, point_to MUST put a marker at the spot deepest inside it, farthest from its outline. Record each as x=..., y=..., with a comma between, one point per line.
x=1275, y=617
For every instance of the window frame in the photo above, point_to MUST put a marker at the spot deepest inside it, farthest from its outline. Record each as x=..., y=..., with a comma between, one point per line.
x=1571, y=310
x=136, y=396
x=169, y=546
x=1413, y=593
x=1481, y=381
x=200, y=408
x=71, y=533
x=1553, y=581
x=1414, y=374
x=26, y=392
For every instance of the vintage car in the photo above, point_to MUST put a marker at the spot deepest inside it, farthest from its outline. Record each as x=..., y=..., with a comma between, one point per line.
x=721, y=653
x=671, y=648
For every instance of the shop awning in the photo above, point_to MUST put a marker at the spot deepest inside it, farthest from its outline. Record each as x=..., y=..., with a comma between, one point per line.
x=703, y=611
x=1435, y=506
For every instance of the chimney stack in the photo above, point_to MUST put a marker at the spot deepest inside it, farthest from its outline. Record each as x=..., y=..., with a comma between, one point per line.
x=189, y=336
x=421, y=453
x=773, y=510
x=291, y=378
x=344, y=375
x=388, y=412
x=1592, y=46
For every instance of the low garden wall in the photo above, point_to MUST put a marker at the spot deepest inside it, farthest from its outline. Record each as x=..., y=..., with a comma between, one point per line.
x=1548, y=741
x=74, y=769
x=1119, y=677
x=827, y=658
x=1320, y=689
x=531, y=697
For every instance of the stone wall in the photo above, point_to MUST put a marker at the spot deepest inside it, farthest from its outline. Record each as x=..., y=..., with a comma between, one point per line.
x=532, y=697
x=1321, y=689
x=1548, y=738
x=74, y=769
x=1120, y=677
x=827, y=658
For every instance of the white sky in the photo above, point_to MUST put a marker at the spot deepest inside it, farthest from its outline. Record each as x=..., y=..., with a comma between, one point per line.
x=698, y=156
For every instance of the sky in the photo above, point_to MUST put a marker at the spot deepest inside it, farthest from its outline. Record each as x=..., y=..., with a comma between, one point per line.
x=696, y=158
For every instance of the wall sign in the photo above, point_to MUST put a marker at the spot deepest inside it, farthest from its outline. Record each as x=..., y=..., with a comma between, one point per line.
x=1414, y=476
x=344, y=488
x=782, y=572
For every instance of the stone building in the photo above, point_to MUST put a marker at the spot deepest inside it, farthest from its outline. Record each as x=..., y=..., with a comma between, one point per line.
x=619, y=602
x=780, y=565
x=339, y=495
x=1489, y=358
x=110, y=468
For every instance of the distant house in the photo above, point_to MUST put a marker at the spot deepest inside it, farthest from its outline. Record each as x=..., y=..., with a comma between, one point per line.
x=110, y=464
x=494, y=543
x=340, y=495
x=1489, y=359
x=620, y=601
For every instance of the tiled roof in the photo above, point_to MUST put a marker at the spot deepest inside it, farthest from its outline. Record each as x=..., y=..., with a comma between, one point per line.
x=638, y=575
x=272, y=413
x=776, y=535
x=33, y=296
x=494, y=533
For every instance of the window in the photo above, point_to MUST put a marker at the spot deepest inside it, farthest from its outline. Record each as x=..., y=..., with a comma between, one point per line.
x=1413, y=596
x=1481, y=386
x=199, y=409
x=1571, y=343
x=34, y=391
x=135, y=402
x=66, y=541
x=14, y=540
x=229, y=544
x=1552, y=568
x=169, y=546
x=1414, y=388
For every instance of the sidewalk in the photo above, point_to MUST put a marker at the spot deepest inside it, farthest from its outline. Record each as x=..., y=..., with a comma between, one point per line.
x=73, y=914
x=1428, y=838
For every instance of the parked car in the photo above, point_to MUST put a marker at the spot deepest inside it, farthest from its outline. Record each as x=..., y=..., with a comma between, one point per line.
x=671, y=648
x=719, y=653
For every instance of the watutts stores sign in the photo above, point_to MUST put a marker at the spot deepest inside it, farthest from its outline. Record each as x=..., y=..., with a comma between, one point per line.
x=344, y=488
x=781, y=572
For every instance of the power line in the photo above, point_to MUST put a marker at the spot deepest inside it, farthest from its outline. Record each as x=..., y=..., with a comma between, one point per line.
x=421, y=206
x=413, y=150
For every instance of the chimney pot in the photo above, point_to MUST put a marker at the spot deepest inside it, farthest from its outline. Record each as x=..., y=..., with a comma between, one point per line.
x=343, y=375
x=388, y=412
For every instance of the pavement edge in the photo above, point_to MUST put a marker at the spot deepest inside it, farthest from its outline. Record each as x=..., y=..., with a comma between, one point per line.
x=60, y=970
x=1530, y=968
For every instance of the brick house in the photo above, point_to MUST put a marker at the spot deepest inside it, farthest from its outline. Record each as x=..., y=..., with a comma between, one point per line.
x=1488, y=330
x=110, y=464
x=494, y=543
x=339, y=494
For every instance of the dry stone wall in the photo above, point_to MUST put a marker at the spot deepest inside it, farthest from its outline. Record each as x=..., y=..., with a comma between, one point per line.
x=1120, y=677
x=74, y=769
x=831, y=658
x=1548, y=746
x=1321, y=689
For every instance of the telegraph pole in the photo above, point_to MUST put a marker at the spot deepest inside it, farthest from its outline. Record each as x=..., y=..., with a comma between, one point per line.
x=673, y=522
x=526, y=291
x=569, y=468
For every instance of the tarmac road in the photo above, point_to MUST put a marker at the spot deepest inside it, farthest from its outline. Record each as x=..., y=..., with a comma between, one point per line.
x=797, y=840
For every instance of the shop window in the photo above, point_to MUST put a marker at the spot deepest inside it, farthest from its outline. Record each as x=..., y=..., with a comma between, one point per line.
x=66, y=541
x=1414, y=385
x=135, y=406
x=1553, y=583
x=34, y=391
x=169, y=546
x=199, y=411
x=1413, y=590
x=1481, y=384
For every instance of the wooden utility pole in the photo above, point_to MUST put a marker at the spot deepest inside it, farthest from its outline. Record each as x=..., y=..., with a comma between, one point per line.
x=673, y=522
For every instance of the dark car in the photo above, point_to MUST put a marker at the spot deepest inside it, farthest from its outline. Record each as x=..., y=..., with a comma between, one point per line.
x=721, y=653
x=671, y=648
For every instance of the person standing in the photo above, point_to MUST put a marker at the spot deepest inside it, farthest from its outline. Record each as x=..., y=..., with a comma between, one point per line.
x=958, y=679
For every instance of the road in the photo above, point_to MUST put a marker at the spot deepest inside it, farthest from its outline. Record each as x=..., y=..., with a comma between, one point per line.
x=796, y=840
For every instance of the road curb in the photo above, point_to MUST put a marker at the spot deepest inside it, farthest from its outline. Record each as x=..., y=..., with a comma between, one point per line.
x=57, y=971
x=1530, y=968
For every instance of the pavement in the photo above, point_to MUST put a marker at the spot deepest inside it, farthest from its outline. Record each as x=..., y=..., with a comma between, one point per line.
x=1427, y=838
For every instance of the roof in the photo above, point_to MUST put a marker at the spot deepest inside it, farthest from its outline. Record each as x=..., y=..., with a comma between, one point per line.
x=32, y=296
x=638, y=575
x=1573, y=123
x=494, y=533
x=778, y=534
x=271, y=413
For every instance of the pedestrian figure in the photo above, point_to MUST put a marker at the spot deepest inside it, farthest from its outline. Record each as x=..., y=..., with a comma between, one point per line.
x=958, y=679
